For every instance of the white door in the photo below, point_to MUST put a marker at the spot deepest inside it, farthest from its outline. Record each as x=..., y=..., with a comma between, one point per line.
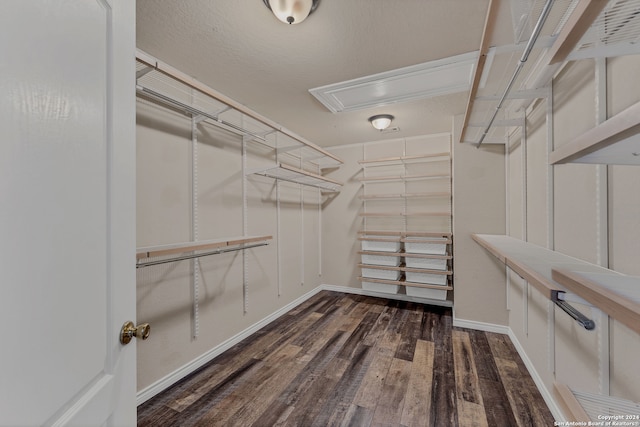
x=67, y=212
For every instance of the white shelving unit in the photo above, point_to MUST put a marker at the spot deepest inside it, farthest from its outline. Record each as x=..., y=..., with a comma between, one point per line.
x=406, y=238
x=387, y=267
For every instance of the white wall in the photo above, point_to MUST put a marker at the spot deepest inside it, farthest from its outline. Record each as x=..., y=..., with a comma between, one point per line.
x=478, y=207
x=165, y=293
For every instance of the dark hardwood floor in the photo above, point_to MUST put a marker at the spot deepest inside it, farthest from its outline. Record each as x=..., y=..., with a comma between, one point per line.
x=349, y=360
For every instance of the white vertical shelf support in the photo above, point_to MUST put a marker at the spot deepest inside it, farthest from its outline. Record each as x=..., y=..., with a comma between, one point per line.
x=550, y=173
x=523, y=147
x=507, y=172
x=279, y=246
x=405, y=211
x=245, y=266
x=364, y=188
x=551, y=313
x=195, y=263
x=602, y=219
x=319, y=228
x=301, y=223
x=551, y=337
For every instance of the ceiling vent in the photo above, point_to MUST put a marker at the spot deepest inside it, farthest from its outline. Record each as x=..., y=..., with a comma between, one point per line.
x=430, y=79
x=615, y=32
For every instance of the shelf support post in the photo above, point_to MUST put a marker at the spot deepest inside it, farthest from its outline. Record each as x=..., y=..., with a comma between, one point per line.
x=195, y=264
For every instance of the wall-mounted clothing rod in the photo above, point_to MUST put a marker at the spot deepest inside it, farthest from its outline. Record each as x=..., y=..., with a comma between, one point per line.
x=525, y=55
x=179, y=80
x=583, y=320
x=191, y=256
x=157, y=96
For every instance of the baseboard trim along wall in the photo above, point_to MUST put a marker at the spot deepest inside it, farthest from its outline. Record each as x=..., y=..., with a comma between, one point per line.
x=546, y=394
x=175, y=376
x=480, y=326
x=178, y=374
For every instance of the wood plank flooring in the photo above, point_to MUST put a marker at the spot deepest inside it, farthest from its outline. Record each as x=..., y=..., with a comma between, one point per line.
x=349, y=360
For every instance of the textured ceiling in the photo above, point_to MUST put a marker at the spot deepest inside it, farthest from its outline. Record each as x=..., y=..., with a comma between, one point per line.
x=238, y=48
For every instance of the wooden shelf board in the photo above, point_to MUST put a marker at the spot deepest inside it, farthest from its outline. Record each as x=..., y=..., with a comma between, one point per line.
x=404, y=177
x=438, y=240
x=177, y=248
x=402, y=267
x=428, y=286
x=576, y=411
x=534, y=263
x=612, y=142
x=386, y=214
x=381, y=233
x=187, y=80
x=405, y=234
x=380, y=239
x=381, y=267
x=411, y=234
x=616, y=294
x=405, y=283
x=406, y=159
x=406, y=255
x=426, y=256
x=406, y=196
x=428, y=271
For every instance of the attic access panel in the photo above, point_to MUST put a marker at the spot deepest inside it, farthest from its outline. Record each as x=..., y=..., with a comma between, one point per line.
x=430, y=79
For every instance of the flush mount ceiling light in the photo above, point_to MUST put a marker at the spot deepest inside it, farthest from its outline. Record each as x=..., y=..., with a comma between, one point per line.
x=381, y=121
x=292, y=11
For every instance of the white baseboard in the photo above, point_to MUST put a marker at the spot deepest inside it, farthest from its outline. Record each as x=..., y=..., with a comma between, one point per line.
x=175, y=376
x=481, y=326
x=546, y=394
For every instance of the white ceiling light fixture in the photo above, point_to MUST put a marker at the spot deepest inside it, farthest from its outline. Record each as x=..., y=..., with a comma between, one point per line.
x=381, y=121
x=292, y=11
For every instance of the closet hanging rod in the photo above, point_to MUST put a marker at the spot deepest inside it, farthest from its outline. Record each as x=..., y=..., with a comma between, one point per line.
x=193, y=111
x=583, y=320
x=191, y=256
x=525, y=56
x=182, y=78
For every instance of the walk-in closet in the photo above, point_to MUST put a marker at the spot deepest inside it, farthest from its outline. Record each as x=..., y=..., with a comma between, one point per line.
x=320, y=213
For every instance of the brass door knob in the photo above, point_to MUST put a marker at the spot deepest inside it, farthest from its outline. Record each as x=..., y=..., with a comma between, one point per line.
x=129, y=330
